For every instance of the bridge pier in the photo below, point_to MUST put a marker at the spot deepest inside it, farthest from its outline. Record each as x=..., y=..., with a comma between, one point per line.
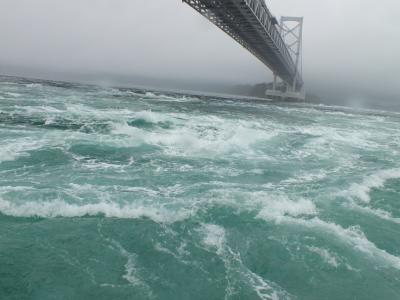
x=285, y=96
x=285, y=92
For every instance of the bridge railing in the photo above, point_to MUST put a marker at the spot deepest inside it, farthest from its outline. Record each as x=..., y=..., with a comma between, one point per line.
x=265, y=18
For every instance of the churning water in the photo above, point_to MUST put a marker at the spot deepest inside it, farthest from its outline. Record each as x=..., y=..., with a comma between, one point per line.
x=131, y=194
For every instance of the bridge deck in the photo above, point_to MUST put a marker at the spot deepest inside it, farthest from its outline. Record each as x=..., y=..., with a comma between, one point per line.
x=252, y=25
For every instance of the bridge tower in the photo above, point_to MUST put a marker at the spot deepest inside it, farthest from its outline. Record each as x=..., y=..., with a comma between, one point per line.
x=291, y=30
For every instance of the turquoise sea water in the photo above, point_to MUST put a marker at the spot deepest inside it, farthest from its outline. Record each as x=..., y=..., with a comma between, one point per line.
x=131, y=194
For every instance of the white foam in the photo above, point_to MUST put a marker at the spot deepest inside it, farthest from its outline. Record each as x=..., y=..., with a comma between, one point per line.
x=150, y=95
x=163, y=97
x=14, y=95
x=131, y=274
x=152, y=117
x=271, y=206
x=59, y=208
x=264, y=289
x=14, y=148
x=144, y=190
x=305, y=177
x=8, y=189
x=78, y=109
x=328, y=257
x=179, y=254
x=201, y=135
x=326, y=142
x=94, y=165
x=340, y=114
x=177, y=99
x=214, y=238
x=158, y=97
x=39, y=109
x=50, y=120
x=352, y=236
x=34, y=85
x=362, y=190
x=278, y=207
x=137, y=136
x=132, y=270
x=380, y=213
x=8, y=83
x=163, y=249
x=197, y=136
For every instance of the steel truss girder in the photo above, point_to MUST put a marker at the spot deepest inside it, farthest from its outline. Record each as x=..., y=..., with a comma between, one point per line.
x=251, y=24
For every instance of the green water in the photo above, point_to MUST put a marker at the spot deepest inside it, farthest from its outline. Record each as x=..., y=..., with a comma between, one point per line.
x=131, y=194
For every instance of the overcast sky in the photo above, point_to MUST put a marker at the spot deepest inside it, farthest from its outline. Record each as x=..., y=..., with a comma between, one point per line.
x=350, y=44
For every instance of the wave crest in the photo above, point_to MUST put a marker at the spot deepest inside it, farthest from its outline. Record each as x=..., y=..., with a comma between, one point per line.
x=59, y=208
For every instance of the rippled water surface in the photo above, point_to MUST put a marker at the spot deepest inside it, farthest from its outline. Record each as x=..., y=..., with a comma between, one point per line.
x=131, y=194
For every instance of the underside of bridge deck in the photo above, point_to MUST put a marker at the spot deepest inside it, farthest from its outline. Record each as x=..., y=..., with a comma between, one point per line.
x=252, y=25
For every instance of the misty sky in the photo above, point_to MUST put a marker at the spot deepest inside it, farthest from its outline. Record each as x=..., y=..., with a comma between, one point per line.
x=348, y=44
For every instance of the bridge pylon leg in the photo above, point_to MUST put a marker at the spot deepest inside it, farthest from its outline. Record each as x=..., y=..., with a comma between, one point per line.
x=275, y=81
x=291, y=29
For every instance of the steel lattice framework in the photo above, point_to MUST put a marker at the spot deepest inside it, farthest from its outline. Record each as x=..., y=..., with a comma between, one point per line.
x=253, y=26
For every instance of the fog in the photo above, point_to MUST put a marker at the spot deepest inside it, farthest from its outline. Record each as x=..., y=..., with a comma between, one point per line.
x=350, y=47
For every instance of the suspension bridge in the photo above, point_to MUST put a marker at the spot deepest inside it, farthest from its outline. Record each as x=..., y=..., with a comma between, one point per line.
x=278, y=45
